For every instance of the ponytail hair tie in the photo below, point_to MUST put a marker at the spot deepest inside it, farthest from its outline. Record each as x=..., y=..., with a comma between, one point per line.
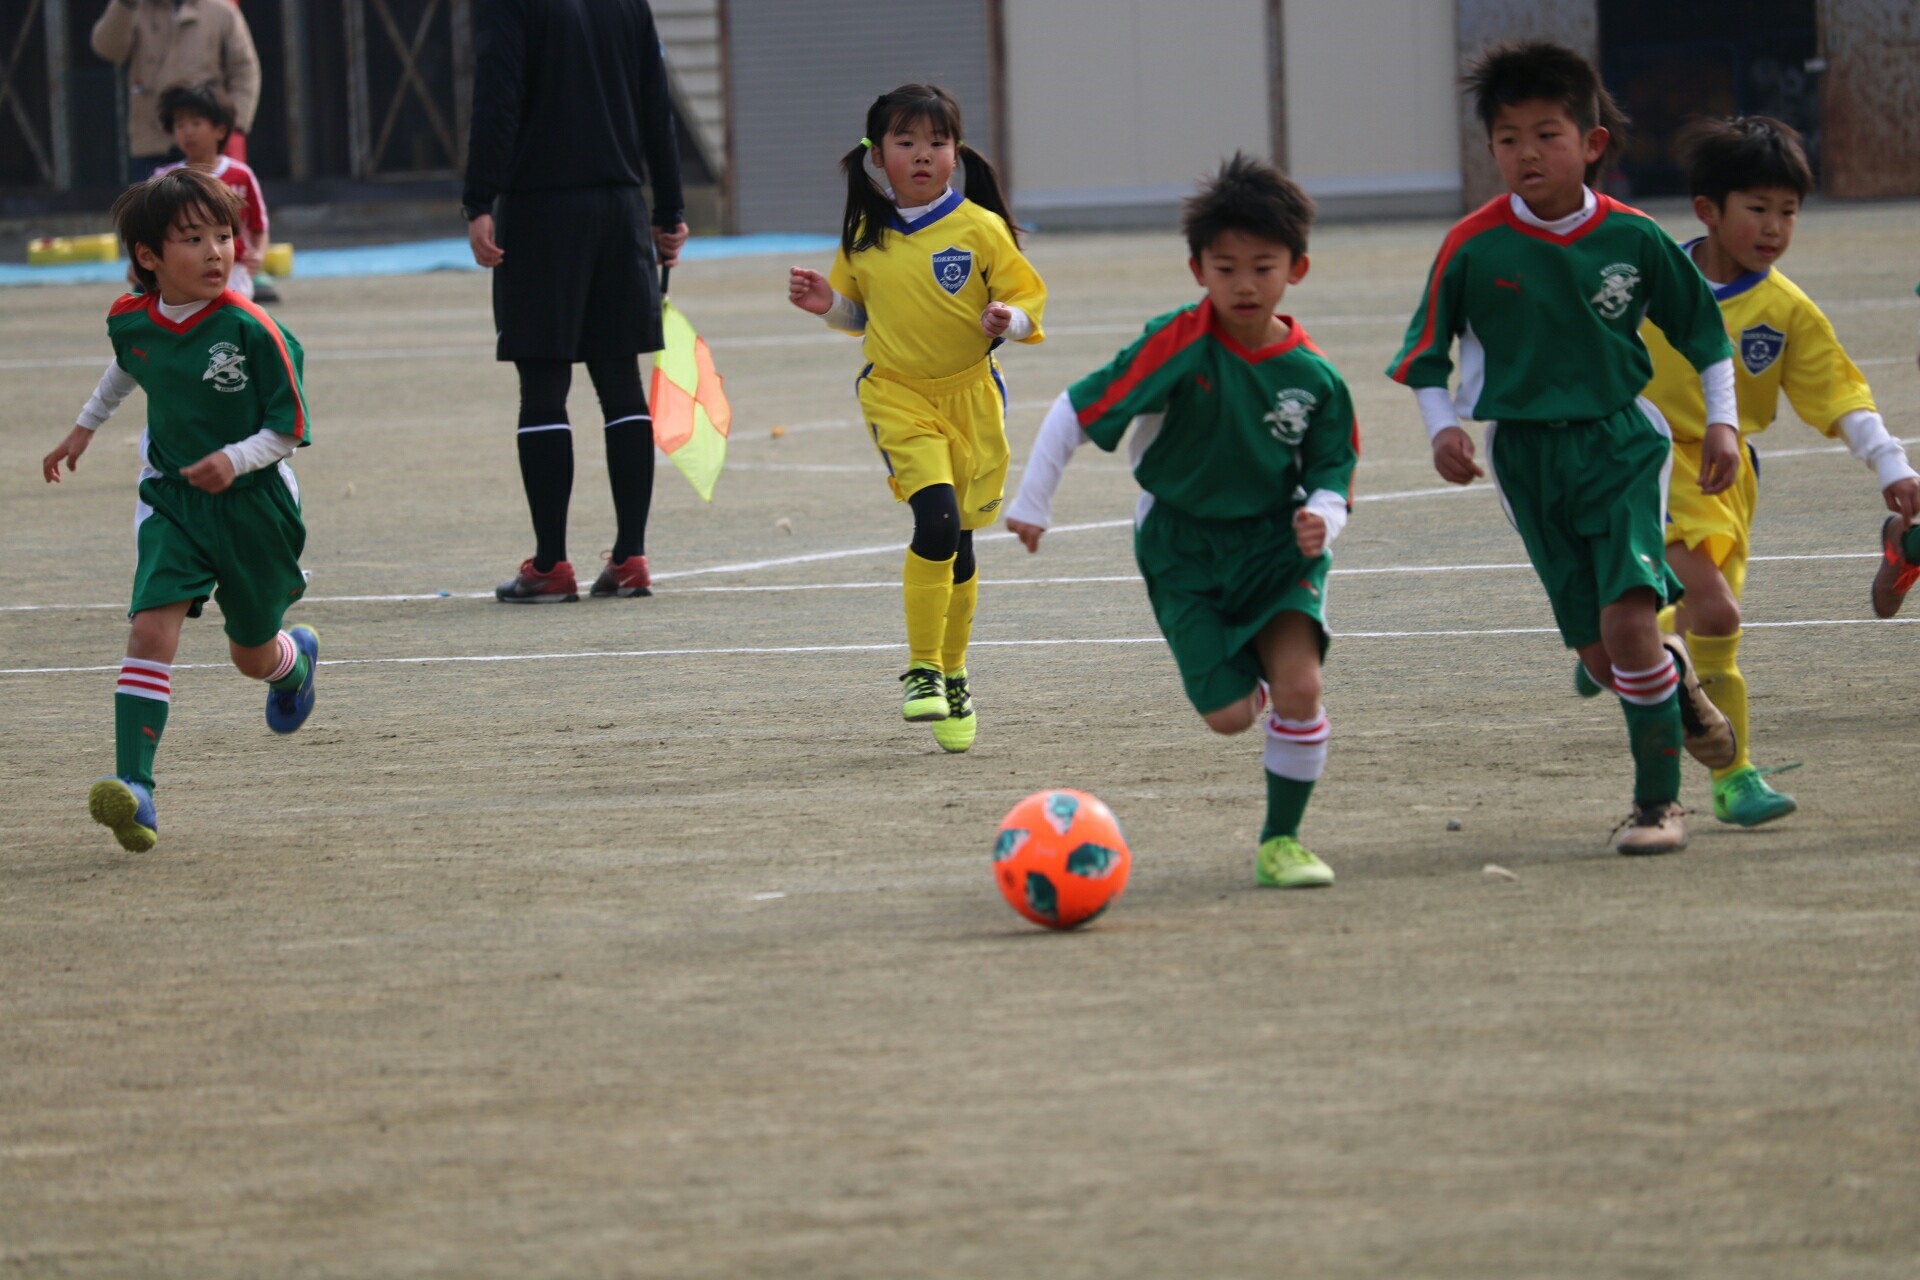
x=867, y=143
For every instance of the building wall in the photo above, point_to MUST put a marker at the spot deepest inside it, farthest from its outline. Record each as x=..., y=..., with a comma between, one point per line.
x=1575, y=23
x=1871, y=98
x=1369, y=116
x=1115, y=107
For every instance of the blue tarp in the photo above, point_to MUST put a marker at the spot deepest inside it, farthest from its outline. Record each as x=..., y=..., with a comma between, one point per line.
x=413, y=259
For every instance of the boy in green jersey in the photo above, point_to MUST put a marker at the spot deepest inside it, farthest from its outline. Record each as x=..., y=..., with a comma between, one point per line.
x=1245, y=445
x=219, y=511
x=1545, y=288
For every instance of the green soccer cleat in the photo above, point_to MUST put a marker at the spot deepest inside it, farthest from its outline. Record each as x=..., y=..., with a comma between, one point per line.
x=1283, y=863
x=955, y=733
x=1583, y=682
x=125, y=808
x=1744, y=799
x=926, y=695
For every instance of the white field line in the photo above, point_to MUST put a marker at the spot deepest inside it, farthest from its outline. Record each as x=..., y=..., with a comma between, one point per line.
x=752, y=651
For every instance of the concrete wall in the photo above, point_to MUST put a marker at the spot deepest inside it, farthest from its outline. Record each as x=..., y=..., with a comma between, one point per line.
x=1871, y=99
x=1115, y=107
x=1368, y=118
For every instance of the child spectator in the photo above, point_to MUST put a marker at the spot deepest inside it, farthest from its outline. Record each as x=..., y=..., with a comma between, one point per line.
x=200, y=118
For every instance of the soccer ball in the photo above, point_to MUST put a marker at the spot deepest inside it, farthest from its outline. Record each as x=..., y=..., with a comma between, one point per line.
x=1061, y=858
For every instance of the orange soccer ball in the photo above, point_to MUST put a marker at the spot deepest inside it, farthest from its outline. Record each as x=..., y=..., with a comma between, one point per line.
x=1061, y=858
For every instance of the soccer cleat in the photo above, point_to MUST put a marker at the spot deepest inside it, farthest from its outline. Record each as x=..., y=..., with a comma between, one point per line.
x=1652, y=828
x=127, y=809
x=530, y=586
x=288, y=709
x=926, y=695
x=1583, y=682
x=629, y=577
x=1283, y=863
x=955, y=733
x=1705, y=729
x=1744, y=799
x=1896, y=573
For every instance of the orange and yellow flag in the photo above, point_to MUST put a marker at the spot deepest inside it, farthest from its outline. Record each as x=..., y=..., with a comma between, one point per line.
x=690, y=414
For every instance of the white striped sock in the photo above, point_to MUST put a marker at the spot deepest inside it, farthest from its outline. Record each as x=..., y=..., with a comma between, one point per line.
x=140, y=678
x=289, y=655
x=1297, y=749
x=1647, y=688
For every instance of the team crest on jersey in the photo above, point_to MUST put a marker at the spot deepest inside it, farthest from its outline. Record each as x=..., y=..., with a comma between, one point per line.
x=1291, y=412
x=1617, y=283
x=1760, y=346
x=226, y=367
x=952, y=268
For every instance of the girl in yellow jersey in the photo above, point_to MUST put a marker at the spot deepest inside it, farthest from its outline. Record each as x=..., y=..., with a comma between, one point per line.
x=935, y=281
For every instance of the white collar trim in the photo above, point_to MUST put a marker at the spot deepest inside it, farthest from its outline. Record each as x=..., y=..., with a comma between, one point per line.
x=1559, y=226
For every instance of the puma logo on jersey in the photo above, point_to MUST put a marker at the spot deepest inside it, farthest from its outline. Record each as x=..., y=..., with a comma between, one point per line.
x=1617, y=283
x=1513, y=284
x=137, y=351
x=225, y=368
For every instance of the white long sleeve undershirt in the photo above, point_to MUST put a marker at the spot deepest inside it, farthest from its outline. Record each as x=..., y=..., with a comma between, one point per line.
x=1053, y=447
x=1869, y=441
x=258, y=451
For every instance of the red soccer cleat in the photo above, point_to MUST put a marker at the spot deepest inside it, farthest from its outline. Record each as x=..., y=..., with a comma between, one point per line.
x=1896, y=573
x=530, y=586
x=629, y=577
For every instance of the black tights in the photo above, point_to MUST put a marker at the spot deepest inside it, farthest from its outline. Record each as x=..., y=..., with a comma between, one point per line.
x=546, y=451
x=937, y=534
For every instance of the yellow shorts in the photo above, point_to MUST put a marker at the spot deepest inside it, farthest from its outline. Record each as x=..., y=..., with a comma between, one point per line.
x=1717, y=525
x=942, y=431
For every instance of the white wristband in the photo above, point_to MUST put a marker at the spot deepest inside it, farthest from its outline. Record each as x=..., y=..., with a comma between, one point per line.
x=846, y=315
x=1869, y=441
x=1723, y=405
x=1436, y=409
x=1330, y=507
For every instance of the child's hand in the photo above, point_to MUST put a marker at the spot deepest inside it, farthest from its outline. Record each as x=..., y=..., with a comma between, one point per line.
x=1309, y=533
x=809, y=291
x=70, y=450
x=996, y=319
x=1719, y=458
x=212, y=473
x=1453, y=457
x=1903, y=499
x=1029, y=534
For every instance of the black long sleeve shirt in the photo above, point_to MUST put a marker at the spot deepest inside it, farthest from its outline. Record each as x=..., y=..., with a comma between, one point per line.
x=571, y=93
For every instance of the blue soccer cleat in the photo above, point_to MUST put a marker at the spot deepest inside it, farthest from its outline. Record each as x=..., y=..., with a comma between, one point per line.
x=125, y=807
x=288, y=709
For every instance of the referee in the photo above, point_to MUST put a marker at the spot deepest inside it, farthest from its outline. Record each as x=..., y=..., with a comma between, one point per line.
x=570, y=116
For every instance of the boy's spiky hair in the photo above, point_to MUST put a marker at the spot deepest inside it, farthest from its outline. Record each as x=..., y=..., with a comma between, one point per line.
x=1516, y=71
x=208, y=100
x=146, y=211
x=1744, y=154
x=1252, y=196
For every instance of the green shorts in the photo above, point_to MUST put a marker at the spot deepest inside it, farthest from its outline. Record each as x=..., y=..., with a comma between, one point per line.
x=1214, y=584
x=1590, y=502
x=241, y=547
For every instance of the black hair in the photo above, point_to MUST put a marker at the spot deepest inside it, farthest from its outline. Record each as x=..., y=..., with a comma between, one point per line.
x=146, y=211
x=864, y=225
x=1743, y=154
x=1515, y=71
x=1252, y=196
x=206, y=100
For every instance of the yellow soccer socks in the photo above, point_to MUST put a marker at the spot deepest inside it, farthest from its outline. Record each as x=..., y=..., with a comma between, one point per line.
x=927, y=588
x=1714, y=663
x=959, y=624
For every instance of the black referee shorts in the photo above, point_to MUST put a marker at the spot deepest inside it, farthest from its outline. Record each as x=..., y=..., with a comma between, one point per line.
x=578, y=281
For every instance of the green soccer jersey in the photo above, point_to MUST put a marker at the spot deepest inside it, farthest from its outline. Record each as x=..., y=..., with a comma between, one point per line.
x=1549, y=323
x=1242, y=433
x=212, y=380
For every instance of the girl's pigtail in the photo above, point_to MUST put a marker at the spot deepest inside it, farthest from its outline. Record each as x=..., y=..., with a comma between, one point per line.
x=983, y=188
x=868, y=211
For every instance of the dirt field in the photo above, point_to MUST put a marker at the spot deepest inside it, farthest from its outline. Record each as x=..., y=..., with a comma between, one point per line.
x=642, y=939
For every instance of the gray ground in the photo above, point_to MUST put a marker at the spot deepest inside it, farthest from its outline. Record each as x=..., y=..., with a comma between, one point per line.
x=484, y=973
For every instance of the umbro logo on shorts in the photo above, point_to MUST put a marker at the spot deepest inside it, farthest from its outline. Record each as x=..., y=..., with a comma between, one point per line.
x=991, y=505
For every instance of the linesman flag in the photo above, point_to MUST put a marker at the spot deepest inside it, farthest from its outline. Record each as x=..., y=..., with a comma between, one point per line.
x=690, y=414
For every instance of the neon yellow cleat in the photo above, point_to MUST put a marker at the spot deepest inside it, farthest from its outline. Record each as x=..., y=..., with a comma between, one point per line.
x=955, y=733
x=1744, y=799
x=1283, y=863
x=926, y=695
x=125, y=808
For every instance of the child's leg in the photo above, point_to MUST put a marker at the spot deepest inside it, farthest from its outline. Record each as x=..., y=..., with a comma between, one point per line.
x=1710, y=618
x=960, y=607
x=629, y=431
x=1297, y=730
x=1644, y=676
x=928, y=577
x=145, y=690
x=545, y=440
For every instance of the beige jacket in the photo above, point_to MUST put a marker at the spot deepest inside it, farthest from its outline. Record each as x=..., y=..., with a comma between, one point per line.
x=200, y=41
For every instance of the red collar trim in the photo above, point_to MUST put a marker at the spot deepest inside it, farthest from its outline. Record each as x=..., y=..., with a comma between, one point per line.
x=1602, y=205
x=1295, y=336
x=187, y=325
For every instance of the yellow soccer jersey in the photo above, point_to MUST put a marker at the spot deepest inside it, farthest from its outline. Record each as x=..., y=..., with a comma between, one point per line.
x=925, y=287
x=1781, y=342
